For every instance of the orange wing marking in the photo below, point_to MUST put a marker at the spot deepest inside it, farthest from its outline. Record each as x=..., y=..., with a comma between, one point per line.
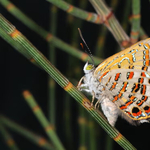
x=143, y=89
x=104, y=74
x=124, y=87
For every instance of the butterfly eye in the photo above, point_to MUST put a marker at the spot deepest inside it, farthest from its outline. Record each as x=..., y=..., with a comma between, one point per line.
x=89, y=67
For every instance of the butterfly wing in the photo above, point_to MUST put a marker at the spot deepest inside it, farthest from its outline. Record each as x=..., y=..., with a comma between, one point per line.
x=126, y=78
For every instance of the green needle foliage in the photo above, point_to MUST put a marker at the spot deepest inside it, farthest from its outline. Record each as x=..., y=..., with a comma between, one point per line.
x=35, y=138
x=103, y=15
x=49, y=129
x=8, y=139
x=64, y=83
x=45, y=34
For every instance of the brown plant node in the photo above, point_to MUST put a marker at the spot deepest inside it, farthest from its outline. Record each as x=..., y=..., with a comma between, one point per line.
x=118, y=137
x=42, y=141
x=50, y=127
x=10, y=142
x=10, y=6
x=49, y=37
x=70, y=9
x=87, y=104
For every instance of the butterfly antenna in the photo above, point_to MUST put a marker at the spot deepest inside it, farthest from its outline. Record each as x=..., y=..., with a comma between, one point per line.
x=88, y=52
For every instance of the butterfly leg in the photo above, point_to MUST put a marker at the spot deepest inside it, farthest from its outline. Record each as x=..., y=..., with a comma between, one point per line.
x=97, y=104
x=93, y=98
x=80, y=83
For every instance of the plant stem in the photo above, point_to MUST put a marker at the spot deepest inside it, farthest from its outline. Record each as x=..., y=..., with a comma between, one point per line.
x=143, y=34
x=8, y=138
x=49, y=129
x=135, y=23
x=52, y=56
x=111, y=22
x=88, y=16
x=36, y=139
x=46, y=35
x=64, y=83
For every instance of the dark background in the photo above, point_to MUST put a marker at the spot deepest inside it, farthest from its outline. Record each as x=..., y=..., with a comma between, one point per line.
x=18, y=74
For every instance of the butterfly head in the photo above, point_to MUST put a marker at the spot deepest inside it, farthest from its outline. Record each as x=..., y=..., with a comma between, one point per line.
x=88, y=68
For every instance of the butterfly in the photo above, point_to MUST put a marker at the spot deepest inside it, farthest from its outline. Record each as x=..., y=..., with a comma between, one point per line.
x=121, y=84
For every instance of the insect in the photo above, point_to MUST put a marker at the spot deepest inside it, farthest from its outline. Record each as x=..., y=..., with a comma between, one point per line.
x=121, y=84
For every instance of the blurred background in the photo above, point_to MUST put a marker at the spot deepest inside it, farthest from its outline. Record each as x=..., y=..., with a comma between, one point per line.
x=18, y=74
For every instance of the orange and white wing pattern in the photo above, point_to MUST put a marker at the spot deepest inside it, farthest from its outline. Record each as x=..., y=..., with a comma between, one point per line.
x=125, y=77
